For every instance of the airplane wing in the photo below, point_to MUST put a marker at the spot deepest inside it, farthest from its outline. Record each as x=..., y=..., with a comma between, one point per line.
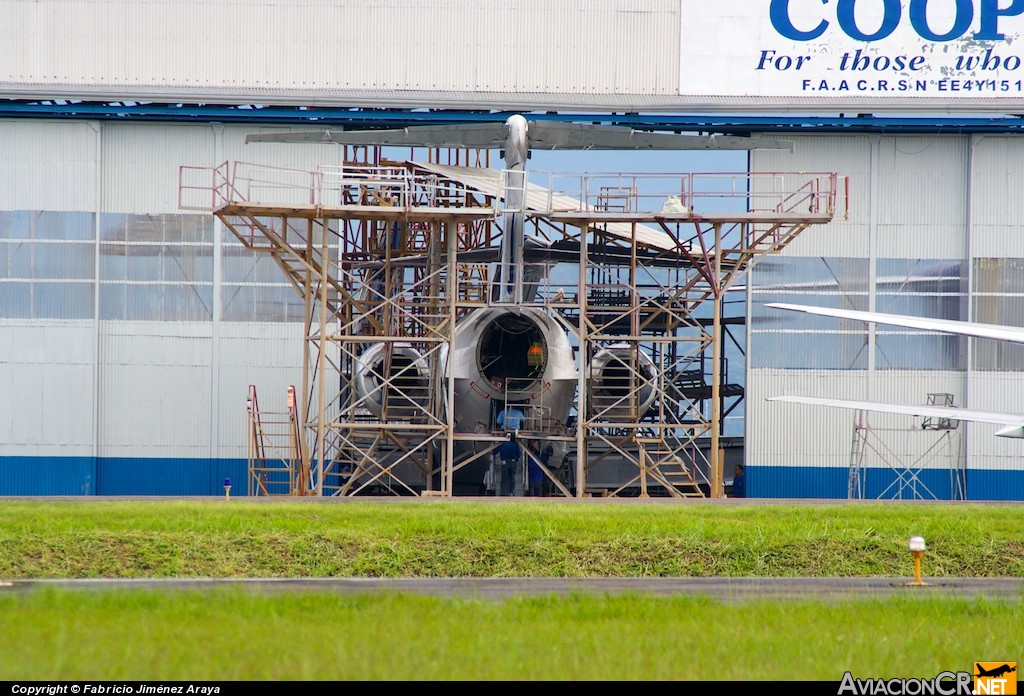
x=471, y=135
x=1014, y=424
x=543, y=135
x=555, y=135
x=996, y=332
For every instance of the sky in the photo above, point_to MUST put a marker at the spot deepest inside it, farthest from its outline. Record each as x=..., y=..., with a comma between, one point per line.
x=638, y=161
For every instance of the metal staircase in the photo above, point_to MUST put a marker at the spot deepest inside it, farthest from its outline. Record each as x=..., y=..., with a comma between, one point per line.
x=275, y=461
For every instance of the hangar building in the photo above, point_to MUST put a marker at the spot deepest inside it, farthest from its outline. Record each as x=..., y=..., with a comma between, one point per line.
x=132, y=327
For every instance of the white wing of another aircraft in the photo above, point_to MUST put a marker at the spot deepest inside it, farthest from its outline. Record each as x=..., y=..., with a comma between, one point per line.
x=1013, y=423
x=996, y=332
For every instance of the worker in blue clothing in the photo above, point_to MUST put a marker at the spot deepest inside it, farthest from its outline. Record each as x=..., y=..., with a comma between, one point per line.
x=510, y=418
x=739, y=482
x=508, y=456
x=535, y=474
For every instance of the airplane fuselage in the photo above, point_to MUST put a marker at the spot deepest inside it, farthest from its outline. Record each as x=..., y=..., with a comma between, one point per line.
x=517, y=146
x=516, y=152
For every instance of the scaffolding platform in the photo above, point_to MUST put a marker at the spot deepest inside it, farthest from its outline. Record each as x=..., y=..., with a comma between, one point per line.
x=395, y=260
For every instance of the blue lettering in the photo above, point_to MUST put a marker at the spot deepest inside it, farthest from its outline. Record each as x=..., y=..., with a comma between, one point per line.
x=779, y=13
x=783, y=62
x=989, y=61
x=890, y=20
x=990, y=14
x=962, y=22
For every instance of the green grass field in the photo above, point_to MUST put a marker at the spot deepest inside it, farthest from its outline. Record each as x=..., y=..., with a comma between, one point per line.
x=237, y=635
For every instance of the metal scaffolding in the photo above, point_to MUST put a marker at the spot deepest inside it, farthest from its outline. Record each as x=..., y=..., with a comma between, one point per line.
x=391, y=258
x=944, y=440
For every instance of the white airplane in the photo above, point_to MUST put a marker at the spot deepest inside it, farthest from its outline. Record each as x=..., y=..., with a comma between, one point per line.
x=1013, y=424
x=507, y=354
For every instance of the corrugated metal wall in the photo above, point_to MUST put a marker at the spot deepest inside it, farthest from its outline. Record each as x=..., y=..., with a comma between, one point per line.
x=929, y=216
x=170, y=386
x=920, y=192
x=1000, y=392
x=46, y=377
x=48, y=165
x=159, y=152
x=216, y=47
x=922, y=197
x=131, y=397
x=155, y=389
x=997, y=206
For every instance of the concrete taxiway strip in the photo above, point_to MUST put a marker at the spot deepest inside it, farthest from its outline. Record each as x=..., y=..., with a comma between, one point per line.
x=725, y=589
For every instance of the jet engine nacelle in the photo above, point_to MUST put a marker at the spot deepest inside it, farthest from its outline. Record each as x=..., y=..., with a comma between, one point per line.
x=408, y=390
x=622, y=383
x=518, y=356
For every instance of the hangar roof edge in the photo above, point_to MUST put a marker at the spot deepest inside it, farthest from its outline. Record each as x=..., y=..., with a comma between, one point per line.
x=313, y=116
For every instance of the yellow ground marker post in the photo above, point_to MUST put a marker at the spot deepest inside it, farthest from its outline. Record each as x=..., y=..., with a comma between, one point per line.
x=917, y=548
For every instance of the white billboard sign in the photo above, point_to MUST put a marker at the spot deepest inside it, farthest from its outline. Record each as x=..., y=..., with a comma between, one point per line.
x=859, y=51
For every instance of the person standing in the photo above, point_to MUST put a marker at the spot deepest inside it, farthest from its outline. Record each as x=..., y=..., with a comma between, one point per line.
x=534, y=473
x=739, y=482
x=508, y=453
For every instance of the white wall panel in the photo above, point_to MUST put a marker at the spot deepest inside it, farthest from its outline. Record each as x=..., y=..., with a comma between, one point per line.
x=156, y=386
x=922, y=196
x=920, y=185
x=926, y=194
x=46, y=377
x=268, y=356
x=141, y=164
x=154, y=389
x=305, y=157
x=795, y=435
x=792, y=435
x=47, y=165
x=784, y=434
x=52, y=165
x=572, y=46
x=277, y=172
x=1000, y=392
x=997, y=197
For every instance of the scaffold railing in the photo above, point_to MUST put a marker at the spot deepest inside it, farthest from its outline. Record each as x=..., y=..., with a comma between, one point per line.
x=630, y=194
x=210, y=188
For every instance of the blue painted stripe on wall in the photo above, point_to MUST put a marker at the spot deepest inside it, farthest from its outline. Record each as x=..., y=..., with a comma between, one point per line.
x=795, y=482
x=986, y=484
x=120, y=476
x=140, y=476
x=832, y=482
x=28, y=476
x=47, y=476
